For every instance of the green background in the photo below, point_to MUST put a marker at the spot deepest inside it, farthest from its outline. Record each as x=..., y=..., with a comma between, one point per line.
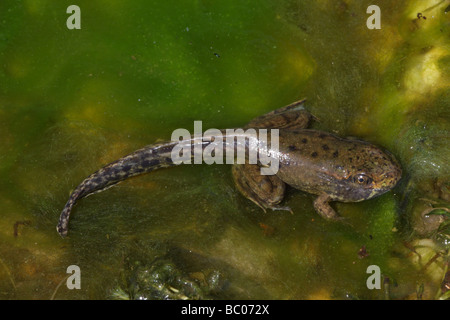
x=72, y=101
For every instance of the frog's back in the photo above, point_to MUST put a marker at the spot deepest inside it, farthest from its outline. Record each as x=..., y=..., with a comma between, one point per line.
x=319, y=162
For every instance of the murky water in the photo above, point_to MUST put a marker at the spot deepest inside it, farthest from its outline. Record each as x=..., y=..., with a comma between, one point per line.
x=72, y=101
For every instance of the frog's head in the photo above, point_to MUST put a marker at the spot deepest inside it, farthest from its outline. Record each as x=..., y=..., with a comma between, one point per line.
x=374, y=173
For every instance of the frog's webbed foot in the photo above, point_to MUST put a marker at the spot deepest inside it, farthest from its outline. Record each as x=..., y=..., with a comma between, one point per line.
x=322, y=207
x=293, y=116
x=264, y=190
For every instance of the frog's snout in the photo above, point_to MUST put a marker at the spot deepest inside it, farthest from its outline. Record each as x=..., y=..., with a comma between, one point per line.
x=392, y=177
x=392, y=173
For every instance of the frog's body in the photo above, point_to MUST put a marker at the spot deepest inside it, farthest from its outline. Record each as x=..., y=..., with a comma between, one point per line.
x=317, y=162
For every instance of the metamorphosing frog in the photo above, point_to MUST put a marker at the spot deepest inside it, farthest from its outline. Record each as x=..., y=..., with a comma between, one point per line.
x=320, y=163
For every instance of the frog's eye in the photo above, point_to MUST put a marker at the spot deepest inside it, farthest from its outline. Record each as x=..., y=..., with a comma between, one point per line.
x=362, y=179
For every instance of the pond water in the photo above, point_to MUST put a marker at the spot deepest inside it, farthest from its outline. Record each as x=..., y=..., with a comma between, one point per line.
x=74, y=100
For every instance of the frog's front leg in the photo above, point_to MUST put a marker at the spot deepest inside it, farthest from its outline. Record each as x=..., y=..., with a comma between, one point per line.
x=322, y=207
x=265, y=191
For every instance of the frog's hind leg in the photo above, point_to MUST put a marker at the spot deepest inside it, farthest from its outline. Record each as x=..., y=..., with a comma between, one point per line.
x=264, y=190
x=291, y=116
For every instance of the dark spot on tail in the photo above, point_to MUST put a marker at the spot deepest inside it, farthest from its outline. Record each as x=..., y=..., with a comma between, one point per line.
x=314, y=154
x=97, y=180
x=335, y=154
x=325, y=147
x=291, y=148
x=304, y=140
x=150, y=163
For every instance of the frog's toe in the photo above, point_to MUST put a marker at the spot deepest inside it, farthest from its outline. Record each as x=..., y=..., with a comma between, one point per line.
x=264, y=205
x=259, y=204
x=323, y=208
x=277, y=208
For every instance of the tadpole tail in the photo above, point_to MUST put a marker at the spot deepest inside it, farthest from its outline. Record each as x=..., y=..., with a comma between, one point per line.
x=63, y=223
x=144, y=160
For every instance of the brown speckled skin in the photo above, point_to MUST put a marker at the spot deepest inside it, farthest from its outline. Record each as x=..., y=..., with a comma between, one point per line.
x=320, y=163
x=335, y=169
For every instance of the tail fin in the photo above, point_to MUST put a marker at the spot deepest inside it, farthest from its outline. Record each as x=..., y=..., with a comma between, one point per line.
x=63, y=223
x=147, y=159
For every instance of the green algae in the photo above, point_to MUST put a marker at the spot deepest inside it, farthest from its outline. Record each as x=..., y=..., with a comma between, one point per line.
x=72, y=101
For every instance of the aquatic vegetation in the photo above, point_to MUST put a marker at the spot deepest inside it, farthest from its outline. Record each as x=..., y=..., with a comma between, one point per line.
x=72, y=101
